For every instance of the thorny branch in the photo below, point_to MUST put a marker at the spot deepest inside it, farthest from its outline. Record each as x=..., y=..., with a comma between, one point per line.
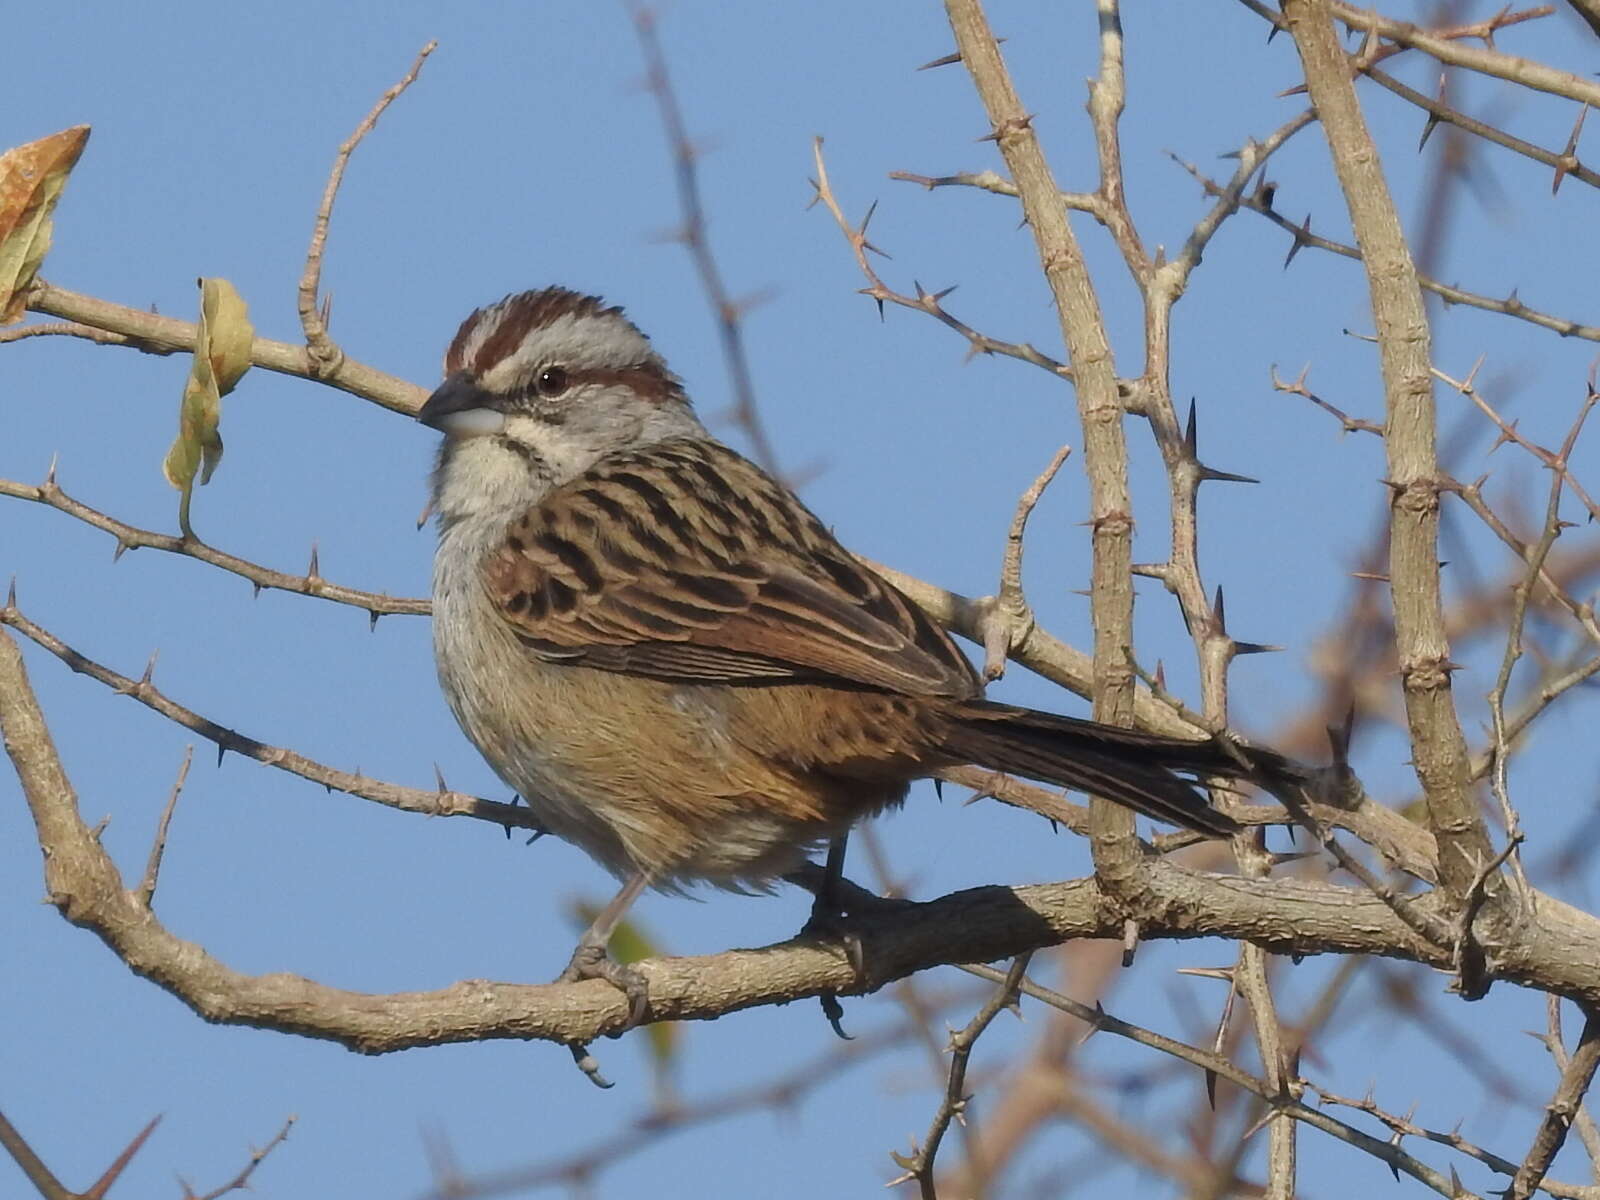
x=323, y=355
x=1564, y=1107
x=919, y=1165
x=131, y=537
x=440, y=803
x=696, y=236
x=1149, y=397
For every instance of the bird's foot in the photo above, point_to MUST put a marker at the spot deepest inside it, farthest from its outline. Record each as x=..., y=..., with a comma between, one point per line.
x=591, y=961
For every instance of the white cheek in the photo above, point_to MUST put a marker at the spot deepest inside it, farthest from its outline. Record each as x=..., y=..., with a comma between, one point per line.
x=473, y=422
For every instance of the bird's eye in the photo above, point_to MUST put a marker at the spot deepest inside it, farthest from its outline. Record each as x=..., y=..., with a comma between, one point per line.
x=551, y=381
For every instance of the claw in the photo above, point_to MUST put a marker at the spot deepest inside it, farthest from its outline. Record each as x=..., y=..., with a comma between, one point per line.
x=590, y=961
x=834, y=1012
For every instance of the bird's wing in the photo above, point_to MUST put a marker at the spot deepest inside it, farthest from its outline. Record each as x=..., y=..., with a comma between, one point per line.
x=685, y=561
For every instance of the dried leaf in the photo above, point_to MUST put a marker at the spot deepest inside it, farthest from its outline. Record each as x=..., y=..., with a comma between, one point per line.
x=221, y=357
x=31, y=179
x=226, y=332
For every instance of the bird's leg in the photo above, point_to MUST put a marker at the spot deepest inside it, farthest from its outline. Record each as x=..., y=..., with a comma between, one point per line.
x=827, y=919
x=827, y=903
x=590, y=960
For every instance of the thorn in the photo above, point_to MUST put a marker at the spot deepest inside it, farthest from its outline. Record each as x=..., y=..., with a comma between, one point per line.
x=1256, y=648
x=879, y=299
x=372, y=620
x=1258, y=1125
x=103, y=1184
x=1161, y=675
x=1211, y=1088
x=149, y=669
x=1224, y=476
x=1225, y=974
x=255, y=590
x=861, y=230
x=221, y=750
x=1282, y=858
x=1191, y=433
x=311, y=570
x=1428, y=127
x=948, y=59
x=1569, y=156
x=438, y=780
x=50, y=475
x=938, y=787
x=1219, y=613
x=1094, y=1025
x=11, y=594
x=940, y=295
x=1301, y=233
x=122, y=548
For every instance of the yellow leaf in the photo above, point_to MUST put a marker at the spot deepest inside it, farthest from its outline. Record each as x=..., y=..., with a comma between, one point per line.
x=221, y=356
x=31, y=179
x=226, y=332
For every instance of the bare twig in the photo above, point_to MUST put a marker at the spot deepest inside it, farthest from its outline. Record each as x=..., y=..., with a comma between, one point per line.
x=924, y=301
x=130, y=537
x=919, y=1165
x=1564, y=1106
x=696, y=238
x=1555, y=1044
x=1100, y=1021
x=152, y=870
x=241, y=1181
x=45, y=1183
x=1261, y=202
x=1009, y=620
x=1439, y=749
x=1447, y=48
x=67, y=329
x=155, y=334
x=322, y=354
x=441, y=802
x=1099, y=404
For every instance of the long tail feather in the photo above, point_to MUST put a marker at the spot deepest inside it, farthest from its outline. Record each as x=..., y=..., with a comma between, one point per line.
x=1148, y=773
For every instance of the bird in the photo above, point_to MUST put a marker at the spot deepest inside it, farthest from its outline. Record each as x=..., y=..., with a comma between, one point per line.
x=673, y=661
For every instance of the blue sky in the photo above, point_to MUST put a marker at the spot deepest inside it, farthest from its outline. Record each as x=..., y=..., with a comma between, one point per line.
x=529, y=155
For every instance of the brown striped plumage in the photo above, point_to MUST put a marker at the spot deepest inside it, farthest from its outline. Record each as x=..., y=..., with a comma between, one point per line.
x=684, y=561
x=671, y=659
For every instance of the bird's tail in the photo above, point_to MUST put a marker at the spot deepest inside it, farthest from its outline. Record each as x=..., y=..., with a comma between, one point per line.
x=1146, y=772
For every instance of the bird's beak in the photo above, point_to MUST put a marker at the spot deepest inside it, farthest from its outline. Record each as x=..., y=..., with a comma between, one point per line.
x=460, y=408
